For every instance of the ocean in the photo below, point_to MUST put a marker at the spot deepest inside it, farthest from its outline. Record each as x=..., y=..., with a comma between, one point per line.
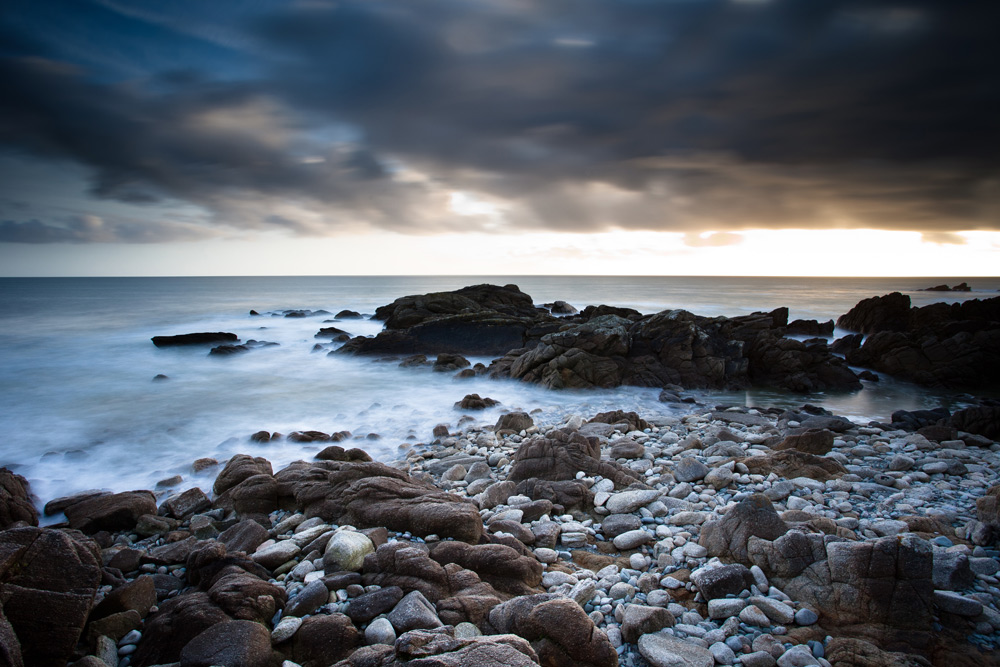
x=80, y=409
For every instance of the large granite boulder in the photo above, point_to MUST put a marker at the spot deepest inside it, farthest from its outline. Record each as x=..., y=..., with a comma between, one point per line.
x=559, y=630
x=500, y=566
x=15, y=500
x=321, y=640
x=230, y=644
x=458, y=594
x=370, y=495
x=178, y=621
x=561, y=455
x=48, y=580
x=239, y=468
x=752, y=517
x=441, y=648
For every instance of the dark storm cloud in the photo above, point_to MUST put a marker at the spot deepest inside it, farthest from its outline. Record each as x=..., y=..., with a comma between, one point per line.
x=575, y=115
x=92, y=229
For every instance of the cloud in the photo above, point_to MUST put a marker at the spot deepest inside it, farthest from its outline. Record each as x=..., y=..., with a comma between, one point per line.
x=93, y=229
x=943, y=238
x=712, y=239
x=565, y=116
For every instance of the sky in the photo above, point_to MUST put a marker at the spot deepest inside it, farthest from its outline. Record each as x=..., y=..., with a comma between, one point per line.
x=655, y=137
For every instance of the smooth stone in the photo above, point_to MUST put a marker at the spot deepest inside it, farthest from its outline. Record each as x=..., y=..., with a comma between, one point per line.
x=380, y=631
x=629, y=501
x=346, y=551
x=752, y=615
x=663, y=650
x=954, y=603
x=546, y=555
x=276, y=554
x=806, y=616
x=723, y=654
x=633, y=539
x=775, y=610
x=757, y=659
x=798, y=656
x=285, y=628
x=722, y=608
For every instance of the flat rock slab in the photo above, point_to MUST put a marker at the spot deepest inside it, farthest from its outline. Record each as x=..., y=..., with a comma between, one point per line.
x=666, y=651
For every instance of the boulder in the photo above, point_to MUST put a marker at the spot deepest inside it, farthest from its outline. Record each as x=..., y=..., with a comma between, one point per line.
x=666, y=651
x=178, y=621
x=346, y=551
x=138, y=595
x=640, y=620
x=721, y=581
x=752, y=517
x=442, y=648
x=500, y=566
x=244, y=596
x=853, y=652
x=254, y=498
x=446, y=362
x=811, y=441
x=791, y=463
x=981, y=419
x=881, y=313
x=115, y=512
x=230, y=644
x=10, y=647
x=321, y=641
x=239, y=468
x=633, y=421
x=244, y=536
x=559, y=630
x=48, y=580
x=364, y=608
x=475, y=402
x=15, y=500
x=413, y=612
x=561, y=455
x=371, y=495
x=185, y=504
x=514, y=421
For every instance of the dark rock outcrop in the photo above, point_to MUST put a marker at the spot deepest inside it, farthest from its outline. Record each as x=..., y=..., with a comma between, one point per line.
x=440, y=648
x=15, y=500
x=941, y=345
x=230, y=644
x=177, y=622
x=201, y=338
x=559, y=630
x=118, y=511
x=564, y=454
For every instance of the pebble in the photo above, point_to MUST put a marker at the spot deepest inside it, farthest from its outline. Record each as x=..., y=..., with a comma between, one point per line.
x=285, y=628
x=806, y=616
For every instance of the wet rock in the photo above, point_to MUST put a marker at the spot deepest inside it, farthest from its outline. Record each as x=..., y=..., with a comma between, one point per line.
x=812, y=441
x=559, y=630
x=475, y=402
x=178, y=621
x=561, y=455
x=375, y=495
x=48, y=585
x=239, y=468
x=119, y=511
x=414, y=612
x=450, y=362
x=754, y=516
x=499, y=565
x=15, y=500
x=514, y=422
x=640, y=620
x=338, y=453
x=229, y=644
x=321, y=641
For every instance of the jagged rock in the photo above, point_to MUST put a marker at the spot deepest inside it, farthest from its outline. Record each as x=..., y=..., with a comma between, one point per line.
x=239, y=468
x=559, y=630
x=10, y=647
x=500, y=566
x=48, y=580
x=230, y=644
x=458, y=594
x=413, y=612
x=476, y=402
x=15, y=500
x=791, y=463
x=514, y=421
x=754, y=516
x=321, y=640
x=185, y=504
x=881, y=313
x=371, y=495
x=138, y=595
x=852, y=652
x=816, y=441
x=562, y=455
x=119, y=511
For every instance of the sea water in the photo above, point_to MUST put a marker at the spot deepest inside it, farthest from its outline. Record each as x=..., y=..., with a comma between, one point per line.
x=80, y=408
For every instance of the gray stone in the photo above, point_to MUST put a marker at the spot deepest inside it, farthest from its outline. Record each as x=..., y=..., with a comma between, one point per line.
x=722, y=608
x=953, y=603
x=797, y=656
x=777, y=611
x=719, y=478
x=951, y=571
x=614, y=525
x=277, y=554
x=285, y=628
x=414, y=612
x=806, y=616
x=723, y=654
x=640, y=620
x=380, y=631
x=662, y=650
x=309, y=599
x=633, y=539
x=346, y=550
x=752, y=615
x=720, y=581
x=757, y=659
x=689, y=470
x=630, y=501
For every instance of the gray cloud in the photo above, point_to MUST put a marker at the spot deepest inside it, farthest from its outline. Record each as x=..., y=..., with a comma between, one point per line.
x=93, y=229
x=701, y=115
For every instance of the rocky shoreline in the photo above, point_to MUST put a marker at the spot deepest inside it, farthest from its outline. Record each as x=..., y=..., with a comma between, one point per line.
x=727, y=535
